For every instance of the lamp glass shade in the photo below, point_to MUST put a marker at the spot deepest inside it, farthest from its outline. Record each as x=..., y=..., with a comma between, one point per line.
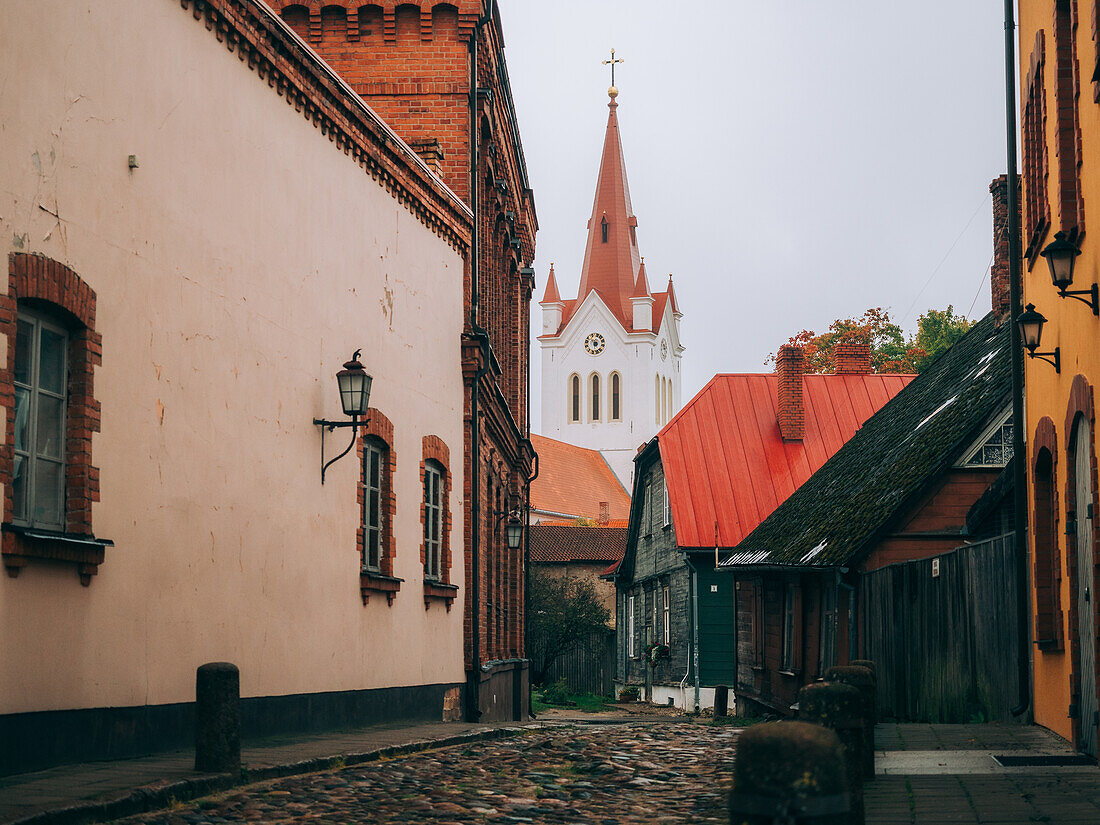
x=513, y=533
x=1061, y=255
x=354, y=385
x=1031, y=327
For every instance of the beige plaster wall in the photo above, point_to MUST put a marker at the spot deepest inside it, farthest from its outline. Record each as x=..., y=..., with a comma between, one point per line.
x=236, y=269
x=589, y=572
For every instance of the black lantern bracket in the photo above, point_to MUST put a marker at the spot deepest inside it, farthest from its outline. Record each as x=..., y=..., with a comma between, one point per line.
x=354, y=385
x=1093, y=300
x=1054, y=358
x=330, y=426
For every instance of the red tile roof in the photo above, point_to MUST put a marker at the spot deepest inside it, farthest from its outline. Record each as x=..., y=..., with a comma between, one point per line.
x=574, y=480
x=726, y=464
x=576, y=544
x=615, y=522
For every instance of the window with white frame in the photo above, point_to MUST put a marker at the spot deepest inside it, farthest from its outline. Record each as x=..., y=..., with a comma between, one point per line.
x=41, y=378
x=630, y=626
x=666, y=619
x=993, y=448
x=374, y=462
x=433, y=520
x=667, y=506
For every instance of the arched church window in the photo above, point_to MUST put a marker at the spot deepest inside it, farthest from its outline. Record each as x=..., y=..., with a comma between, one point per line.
x=603, y=229
x=616, y=407
x=664, y=400
x=575, y=398
x=657, y=400
x=595, y=397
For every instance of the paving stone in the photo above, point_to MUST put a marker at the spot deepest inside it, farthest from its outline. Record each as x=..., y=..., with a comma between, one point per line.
x=614, y=775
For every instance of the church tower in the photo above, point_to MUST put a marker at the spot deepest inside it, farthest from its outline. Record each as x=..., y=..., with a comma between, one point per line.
x=610, y=356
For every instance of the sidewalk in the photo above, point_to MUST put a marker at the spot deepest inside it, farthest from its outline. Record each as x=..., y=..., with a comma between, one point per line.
x=96, y=791
x=938, y=774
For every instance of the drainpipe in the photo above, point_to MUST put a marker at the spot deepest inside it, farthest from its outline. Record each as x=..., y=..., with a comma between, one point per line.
x=473, y=691
x=1023, y=589
x=693, y=596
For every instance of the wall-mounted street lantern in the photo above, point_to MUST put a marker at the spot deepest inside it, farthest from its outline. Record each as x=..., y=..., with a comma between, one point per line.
x=1061, y=255
x=354, y=385
x=513, y=530
x=1031, y=329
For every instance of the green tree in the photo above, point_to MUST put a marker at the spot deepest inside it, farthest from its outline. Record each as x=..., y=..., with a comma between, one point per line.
x=563, y=613
x=937, y=330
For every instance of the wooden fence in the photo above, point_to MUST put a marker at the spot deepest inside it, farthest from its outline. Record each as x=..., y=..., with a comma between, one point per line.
x=945, y=647
x=589, y=667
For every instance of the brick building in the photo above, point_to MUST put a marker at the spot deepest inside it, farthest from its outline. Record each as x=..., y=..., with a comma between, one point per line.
x=413, y=64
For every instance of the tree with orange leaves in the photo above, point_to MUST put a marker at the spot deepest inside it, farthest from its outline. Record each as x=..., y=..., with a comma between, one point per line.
x=890, y=350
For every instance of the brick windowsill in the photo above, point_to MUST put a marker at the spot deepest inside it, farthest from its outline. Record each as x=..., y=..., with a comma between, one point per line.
x=21, y=544
x=372, y=582
x=441, y=591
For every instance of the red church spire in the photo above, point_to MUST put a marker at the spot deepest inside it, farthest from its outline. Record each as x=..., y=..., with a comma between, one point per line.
x=641, y=286
x=611, y=257
x=551, y=295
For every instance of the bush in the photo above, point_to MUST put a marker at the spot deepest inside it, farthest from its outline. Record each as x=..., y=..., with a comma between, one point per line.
x=629, y=694
x=556, y=694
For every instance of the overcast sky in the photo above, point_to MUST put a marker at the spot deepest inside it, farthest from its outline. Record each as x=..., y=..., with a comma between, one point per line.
x=790, y=162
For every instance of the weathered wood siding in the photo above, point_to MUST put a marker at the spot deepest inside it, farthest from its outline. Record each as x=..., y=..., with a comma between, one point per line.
x=657, y=563
x=945, y=647
x=589, y=667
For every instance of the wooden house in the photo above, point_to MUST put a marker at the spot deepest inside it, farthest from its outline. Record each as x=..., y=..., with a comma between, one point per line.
x=719, y=467
x=923, y=476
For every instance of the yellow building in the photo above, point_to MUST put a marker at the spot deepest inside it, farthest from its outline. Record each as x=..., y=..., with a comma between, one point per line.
x=1060, y=174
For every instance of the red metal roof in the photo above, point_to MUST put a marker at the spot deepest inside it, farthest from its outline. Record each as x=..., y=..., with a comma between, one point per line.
x=574, y=480
x=727, y=465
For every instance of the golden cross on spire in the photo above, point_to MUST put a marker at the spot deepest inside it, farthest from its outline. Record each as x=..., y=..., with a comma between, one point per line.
x=612, y=63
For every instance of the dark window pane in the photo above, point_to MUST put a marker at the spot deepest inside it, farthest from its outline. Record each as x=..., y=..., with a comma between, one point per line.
x=51, y=375
x=23, y=338
x=19, y=488
x=50, y=426
x=47, y=492
x=22, y=414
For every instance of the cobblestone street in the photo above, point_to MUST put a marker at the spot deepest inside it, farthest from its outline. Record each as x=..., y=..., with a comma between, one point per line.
x=657, y=773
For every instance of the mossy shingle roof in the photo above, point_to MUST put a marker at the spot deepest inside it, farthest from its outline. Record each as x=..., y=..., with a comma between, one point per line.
x=834, y=517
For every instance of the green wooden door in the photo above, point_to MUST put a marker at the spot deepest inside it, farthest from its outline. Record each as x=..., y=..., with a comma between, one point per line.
x=717, y=626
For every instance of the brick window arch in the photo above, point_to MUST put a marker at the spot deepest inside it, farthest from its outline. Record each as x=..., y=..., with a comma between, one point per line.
x=1047, y=558
x=377, y=507
x=42, y=288
x=435, y=521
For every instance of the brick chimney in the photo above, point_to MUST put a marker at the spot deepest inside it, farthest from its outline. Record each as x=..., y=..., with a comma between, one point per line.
x=852, y=358
x=605, y=513
x=998, y=273
x=430, y=152
x=792, y=417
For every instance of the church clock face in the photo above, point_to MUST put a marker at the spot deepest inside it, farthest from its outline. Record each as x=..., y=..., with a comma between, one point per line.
x=594, y=343
x=664, y=350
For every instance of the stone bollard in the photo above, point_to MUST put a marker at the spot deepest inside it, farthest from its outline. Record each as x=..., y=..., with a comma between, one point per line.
x=218, y=718
x=867, y=663
x=864, y=681
x=840, y=708
x=789, y=772
x=721, y=701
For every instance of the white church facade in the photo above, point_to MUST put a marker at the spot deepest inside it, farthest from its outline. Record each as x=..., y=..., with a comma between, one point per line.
x=611, y=356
